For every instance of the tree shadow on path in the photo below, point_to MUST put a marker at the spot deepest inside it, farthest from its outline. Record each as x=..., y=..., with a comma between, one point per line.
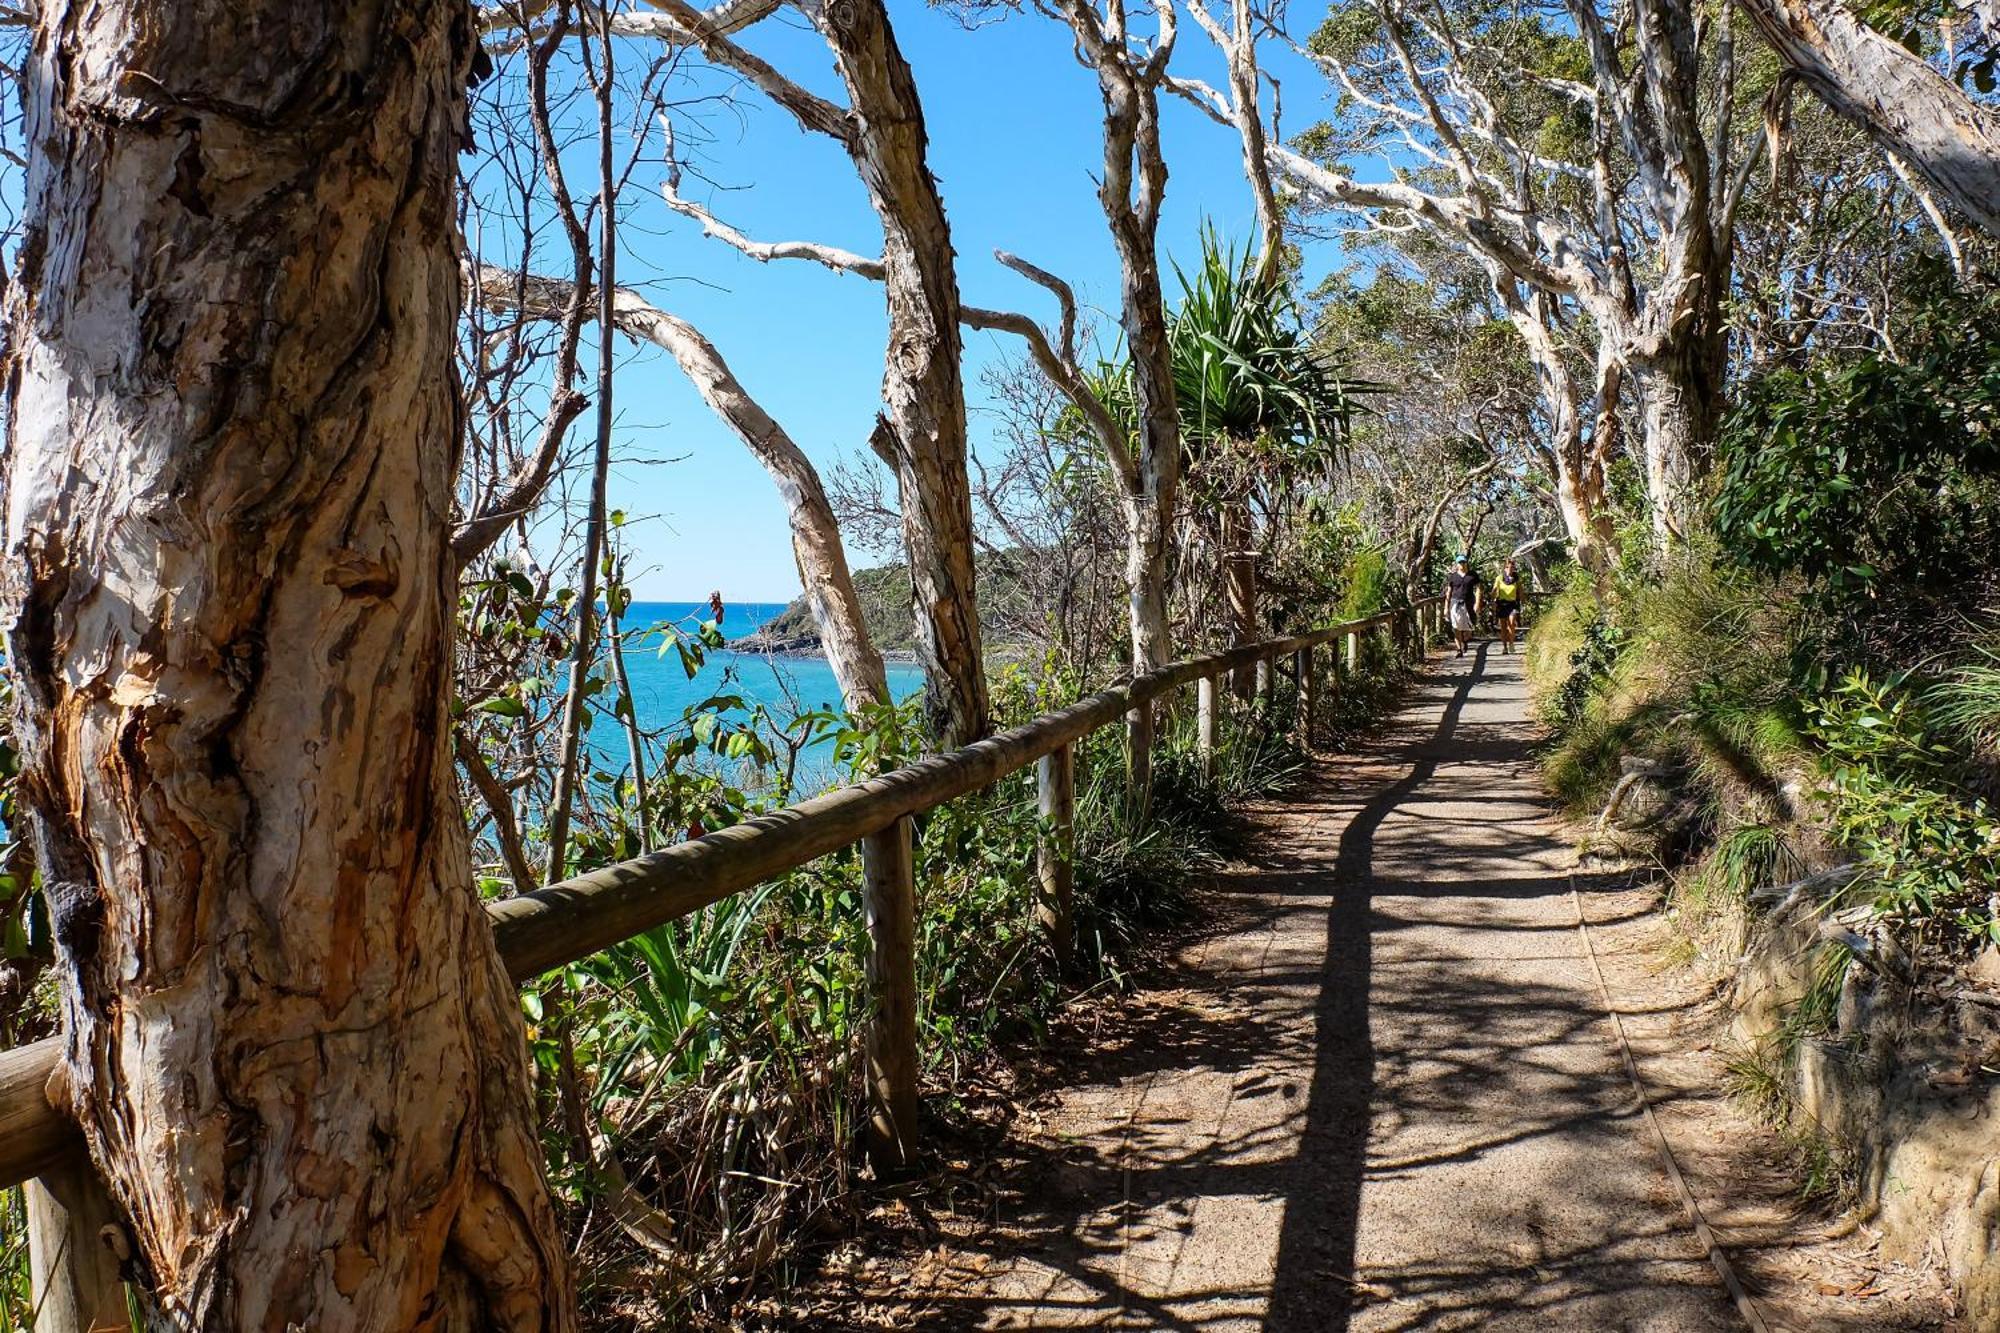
x=1393, y=1004
x=1322, y=1214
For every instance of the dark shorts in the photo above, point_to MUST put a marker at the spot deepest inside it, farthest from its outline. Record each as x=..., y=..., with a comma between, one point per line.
x=1505, y=609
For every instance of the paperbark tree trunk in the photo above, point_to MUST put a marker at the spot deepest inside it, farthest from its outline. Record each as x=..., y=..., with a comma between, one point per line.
x=1586, y=517
x=1150, y=511
x=233, y=436
x=1238, y=43
x=921, y=433
x=1675, y=341
x=1908, y=107
x=1146, y=582
x=1679, y=407
x=922, y=429
x=1578, y=464
x=1581, y=495
x=1130, y=191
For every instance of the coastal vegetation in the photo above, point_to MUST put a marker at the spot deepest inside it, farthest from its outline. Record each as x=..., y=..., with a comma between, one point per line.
x=1007, y=617
x=319, y=576
x=1798, y=717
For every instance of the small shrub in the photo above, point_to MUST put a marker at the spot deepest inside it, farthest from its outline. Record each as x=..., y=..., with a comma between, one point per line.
x=1590, y=666
x=1750, y=856
x=1967, y=703
x=1896, y=797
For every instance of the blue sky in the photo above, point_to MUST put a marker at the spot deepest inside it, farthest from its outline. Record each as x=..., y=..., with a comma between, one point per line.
x=1014, y=124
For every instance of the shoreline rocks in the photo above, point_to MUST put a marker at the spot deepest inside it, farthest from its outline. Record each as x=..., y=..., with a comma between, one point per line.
x=762, y=644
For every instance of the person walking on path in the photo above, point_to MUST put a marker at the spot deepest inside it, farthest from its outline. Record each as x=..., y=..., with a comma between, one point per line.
x=1462, y=596
x=1507, y=605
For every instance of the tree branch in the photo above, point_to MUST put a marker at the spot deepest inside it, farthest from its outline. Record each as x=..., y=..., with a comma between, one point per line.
x=833, y=257
x=680, y=22
x=816, y=541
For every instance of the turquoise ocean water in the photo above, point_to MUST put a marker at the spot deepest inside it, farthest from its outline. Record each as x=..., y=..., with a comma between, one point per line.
x=662, y=691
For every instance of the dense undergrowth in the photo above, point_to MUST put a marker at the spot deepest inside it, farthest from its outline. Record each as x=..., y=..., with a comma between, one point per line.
x=1767, y=755
x=723, y=1080
x=1812, y=686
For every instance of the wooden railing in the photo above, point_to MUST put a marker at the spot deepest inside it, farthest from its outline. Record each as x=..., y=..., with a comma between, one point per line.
x=568, y=921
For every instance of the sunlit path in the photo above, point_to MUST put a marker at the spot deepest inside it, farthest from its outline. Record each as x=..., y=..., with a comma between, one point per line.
x=1387, y=1101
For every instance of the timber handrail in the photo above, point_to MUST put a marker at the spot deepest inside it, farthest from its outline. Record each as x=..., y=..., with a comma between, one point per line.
x=570, y=920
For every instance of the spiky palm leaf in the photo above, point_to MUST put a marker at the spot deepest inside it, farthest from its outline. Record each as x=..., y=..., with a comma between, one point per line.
x=1246, y=372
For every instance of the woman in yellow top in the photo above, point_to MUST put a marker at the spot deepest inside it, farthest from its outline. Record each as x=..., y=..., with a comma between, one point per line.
x=1507, y=605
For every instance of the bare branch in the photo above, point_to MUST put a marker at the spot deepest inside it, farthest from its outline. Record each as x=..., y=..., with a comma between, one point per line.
x=815, y=536
x=681, y=22
x=506, y=831
x=833, y=257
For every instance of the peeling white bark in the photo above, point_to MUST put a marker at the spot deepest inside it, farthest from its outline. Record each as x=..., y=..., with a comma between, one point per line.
x=229, y=597
x=921, y=432
x=923, y=396
x=1131, y=190
x=1912, y=110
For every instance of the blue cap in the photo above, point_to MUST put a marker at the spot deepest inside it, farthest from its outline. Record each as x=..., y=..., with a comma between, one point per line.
x=1464, y=559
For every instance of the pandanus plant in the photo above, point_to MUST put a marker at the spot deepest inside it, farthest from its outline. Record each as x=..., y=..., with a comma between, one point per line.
x=1261, y=406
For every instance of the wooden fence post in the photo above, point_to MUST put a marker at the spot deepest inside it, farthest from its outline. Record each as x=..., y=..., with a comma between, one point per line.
x=1308, y=698
x=889, y=902
x=1055, y=789
x=1267, y=686
x=1139, y=761
x=1207, y=704
x=1353, y=652
x=74, y=1275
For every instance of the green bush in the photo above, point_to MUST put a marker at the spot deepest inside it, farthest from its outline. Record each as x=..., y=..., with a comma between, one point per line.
x=1366, y=583
x=1590, y=665
x=1897, y=797
x=1873, y=477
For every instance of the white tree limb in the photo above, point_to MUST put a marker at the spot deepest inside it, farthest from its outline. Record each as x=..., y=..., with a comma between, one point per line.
x=816, y=543
x=831, y=256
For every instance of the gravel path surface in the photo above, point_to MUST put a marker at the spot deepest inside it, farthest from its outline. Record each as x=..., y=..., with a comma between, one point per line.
x=1388, y=1100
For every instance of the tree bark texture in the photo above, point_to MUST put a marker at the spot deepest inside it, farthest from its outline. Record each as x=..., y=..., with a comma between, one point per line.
x=1149, y=511
x=1909, y=108
x=1676, y=343
x=1130, y=191
x=1680, y=406
x=229, y=598
x=1239, y=47
x=1578, y=464
x=923, y=398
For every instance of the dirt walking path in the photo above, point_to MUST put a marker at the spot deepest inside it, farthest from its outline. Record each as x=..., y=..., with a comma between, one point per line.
x=1386, y=1097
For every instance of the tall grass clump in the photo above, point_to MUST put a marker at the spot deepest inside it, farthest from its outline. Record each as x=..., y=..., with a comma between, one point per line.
x=1694, y=667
